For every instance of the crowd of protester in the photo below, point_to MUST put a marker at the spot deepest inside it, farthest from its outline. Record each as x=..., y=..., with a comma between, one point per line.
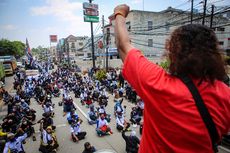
x=94, y=94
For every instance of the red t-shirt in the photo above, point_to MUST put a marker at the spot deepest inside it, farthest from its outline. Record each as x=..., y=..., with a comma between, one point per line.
x=172, y=122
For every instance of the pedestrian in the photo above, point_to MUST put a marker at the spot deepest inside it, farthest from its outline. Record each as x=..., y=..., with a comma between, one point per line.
x=132, y=142
x=14, y=144
x=76, y=132
x=172, y=120
x=49, y=143
x=89, y=148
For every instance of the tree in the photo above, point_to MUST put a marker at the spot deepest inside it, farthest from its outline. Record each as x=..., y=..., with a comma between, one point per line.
x=16, y=48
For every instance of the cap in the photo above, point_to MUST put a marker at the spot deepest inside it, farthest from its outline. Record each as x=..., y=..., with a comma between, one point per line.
x=49, y=127
x=10, y=135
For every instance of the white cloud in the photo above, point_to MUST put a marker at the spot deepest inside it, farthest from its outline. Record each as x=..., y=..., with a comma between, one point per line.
x=137, y=1
x=8, y=27
x=65, y=11
x=62, y=9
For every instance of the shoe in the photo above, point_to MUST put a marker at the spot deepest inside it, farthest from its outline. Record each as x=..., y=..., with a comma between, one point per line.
x=34, y=138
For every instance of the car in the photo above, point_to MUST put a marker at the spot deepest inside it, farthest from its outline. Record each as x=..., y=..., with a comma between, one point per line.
x=20, y=65
x=8, y=69
x=87, y=58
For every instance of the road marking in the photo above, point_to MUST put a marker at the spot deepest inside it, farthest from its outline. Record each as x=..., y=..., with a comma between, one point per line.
x=82, y=112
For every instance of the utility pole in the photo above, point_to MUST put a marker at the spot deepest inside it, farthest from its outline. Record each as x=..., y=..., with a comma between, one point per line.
x=103, y=31
x=204, y=13
x=107, y=48
x=212, y=12
x=92, y=41
x=143, y=5
x=68, y=54
x=191, y=11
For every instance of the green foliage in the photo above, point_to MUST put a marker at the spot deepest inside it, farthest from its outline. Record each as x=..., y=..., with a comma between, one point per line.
x=165, y=65
x=16, y=48
x=101, y=74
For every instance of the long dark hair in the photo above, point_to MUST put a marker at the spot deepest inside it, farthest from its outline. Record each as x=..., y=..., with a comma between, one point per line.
x=193, y=50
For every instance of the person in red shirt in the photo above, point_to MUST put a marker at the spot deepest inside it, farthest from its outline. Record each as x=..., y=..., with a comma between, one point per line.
x=172, y=122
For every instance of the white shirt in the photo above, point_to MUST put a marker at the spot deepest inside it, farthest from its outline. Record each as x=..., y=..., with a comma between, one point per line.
x=16, y=145
x=76, y=129
x=120, y=121
x=101, y=111
x=48, y=109
x=46, y=137
x=102, y=123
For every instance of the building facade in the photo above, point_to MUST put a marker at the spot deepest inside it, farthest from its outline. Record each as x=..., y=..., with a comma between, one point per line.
x=150, y=30
x=70, y=47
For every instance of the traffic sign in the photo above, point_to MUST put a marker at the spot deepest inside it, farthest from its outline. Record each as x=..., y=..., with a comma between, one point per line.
x=91, y=18
x=90, y=6
x=91, y=12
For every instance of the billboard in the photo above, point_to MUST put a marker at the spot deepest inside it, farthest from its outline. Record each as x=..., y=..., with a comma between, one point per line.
x=53, y=38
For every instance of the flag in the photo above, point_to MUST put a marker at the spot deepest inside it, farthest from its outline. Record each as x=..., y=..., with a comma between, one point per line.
x=28, y=53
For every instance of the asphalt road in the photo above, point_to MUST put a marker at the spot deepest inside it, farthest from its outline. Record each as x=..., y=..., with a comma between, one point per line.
x=114, y=142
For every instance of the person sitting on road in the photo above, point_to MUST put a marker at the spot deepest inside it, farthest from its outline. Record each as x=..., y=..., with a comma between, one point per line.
x=76, y=132
x=121, y=122
x=118, y=107
x=14, y=145
x=102, y=110
x=68, y=104
x=27, y=126
x=48, y=109
x=92, y=115
x=24, y=105
x=103, y=126
x=47, y=121
x=88, y=148
x=72, y=116
x=49, y=142
x=135, y=118
x=56, y=91
x=140, y=106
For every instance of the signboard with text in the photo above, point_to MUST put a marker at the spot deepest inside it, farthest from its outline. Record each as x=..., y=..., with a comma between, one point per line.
x=53, y=38
x=91, y=18
x=90, y=6
x=91, y=12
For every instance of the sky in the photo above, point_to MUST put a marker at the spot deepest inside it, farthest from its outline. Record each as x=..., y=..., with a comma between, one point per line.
x=37, y=19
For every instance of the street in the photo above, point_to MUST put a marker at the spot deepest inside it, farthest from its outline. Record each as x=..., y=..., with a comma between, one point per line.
x=114, y=142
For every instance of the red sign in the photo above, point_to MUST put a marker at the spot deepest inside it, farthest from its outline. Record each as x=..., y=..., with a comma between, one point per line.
x=100, y=44
x=91, y=12
x=53, y=38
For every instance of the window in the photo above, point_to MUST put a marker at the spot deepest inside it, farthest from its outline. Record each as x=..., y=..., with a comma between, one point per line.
x=80, y=44
x=128, y=25
x=72, y=45
x=150, y=25
x=150, y=42
x=220, y=29
x=221, y=43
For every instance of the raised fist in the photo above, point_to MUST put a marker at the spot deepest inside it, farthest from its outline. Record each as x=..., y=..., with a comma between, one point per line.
x=122, y=9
